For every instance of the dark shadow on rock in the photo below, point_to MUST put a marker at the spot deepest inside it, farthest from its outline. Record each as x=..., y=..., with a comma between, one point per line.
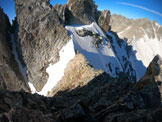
x=109, y=99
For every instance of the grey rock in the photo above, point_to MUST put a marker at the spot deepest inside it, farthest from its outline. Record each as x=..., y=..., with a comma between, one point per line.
x=62, y=11
x=83, y=11
x=104, y=20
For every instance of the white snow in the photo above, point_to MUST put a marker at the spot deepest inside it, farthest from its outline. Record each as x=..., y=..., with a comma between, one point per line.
x=157, y=24
x=32, y=88
x=98, y=58
x=56, y=71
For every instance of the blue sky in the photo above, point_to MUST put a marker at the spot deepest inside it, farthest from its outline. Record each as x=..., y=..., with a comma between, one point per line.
x=151, y=9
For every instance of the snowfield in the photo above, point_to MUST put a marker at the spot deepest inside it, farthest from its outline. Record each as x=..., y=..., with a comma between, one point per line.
x=102, y=58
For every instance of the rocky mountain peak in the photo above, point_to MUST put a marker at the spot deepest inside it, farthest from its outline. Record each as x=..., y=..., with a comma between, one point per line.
x=83, y=11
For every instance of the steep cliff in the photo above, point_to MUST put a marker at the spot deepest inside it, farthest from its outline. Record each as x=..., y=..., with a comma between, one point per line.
x=10, y=75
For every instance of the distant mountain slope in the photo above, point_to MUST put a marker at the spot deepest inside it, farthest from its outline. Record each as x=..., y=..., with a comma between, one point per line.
x=145, y=36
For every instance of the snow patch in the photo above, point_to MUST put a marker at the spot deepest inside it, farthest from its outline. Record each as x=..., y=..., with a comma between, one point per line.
x=32, y=88
x=56, y=71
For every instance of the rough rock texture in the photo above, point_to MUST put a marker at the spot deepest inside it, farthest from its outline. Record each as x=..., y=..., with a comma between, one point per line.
x=63, y=12
x=127, y=28
x=153, y=73
x=41, y=35
x=103, y=99
x=83, y=11
x=10, y=76
x=104, y=20
x=77, y=74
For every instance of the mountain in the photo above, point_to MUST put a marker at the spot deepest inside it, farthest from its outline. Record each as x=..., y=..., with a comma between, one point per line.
x=48, y=34
x=72, y=62
x=143, y=35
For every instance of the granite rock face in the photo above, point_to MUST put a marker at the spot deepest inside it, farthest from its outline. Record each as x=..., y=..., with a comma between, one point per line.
x=10, y=76
x=41, y=35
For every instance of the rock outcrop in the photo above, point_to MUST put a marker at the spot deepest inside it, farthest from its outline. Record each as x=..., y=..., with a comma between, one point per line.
x=104, y=20
x=152, y=77
x=10, y=76
x=85, y=12
x=82, y=11
x=41, y=35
